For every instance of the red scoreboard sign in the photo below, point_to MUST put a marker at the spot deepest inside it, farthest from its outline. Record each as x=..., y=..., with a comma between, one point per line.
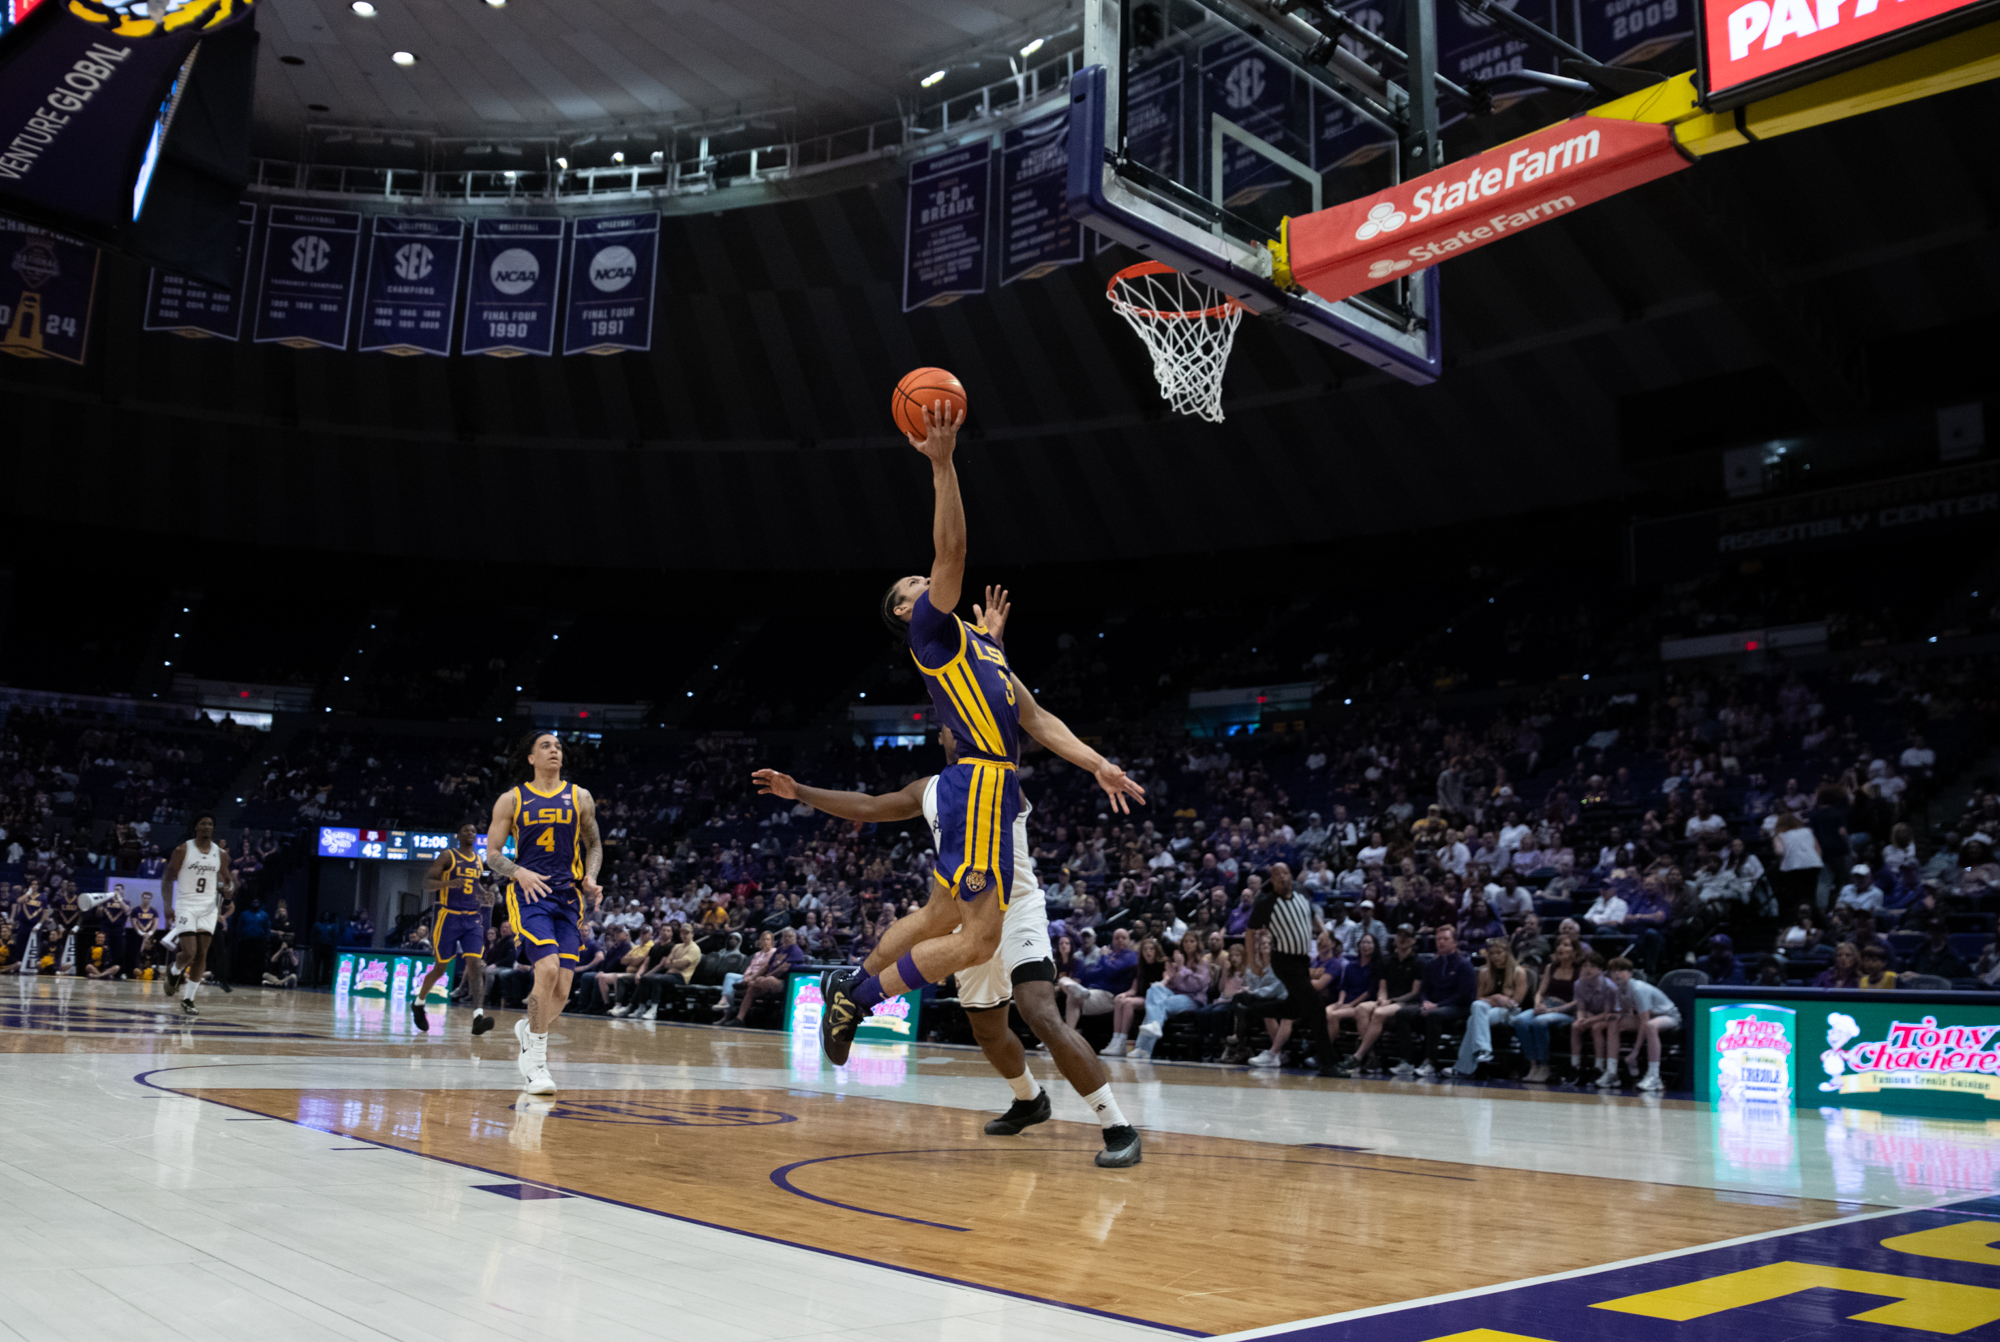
x=1750, y=48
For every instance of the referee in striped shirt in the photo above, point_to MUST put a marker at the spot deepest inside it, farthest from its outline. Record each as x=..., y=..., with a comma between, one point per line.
x=1289, y=917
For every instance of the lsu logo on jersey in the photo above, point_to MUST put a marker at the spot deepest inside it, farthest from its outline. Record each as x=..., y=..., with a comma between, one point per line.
x=548, y=815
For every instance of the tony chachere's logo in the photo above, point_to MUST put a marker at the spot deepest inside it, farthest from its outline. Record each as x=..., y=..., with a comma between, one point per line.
x=413, y=261
x=1244, y=84
x=1383, y=217
x=311, y=254
x=515, y=271
x=613, y=268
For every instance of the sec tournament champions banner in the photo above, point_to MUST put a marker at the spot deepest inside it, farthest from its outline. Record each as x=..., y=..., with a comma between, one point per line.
x=47, y=289
x=510, y=305
x=306, y=290
x=1617, y=31
x=190, y=308
x=1036, y=232
x=412, y=284
x=612, y=263
x=944, y=247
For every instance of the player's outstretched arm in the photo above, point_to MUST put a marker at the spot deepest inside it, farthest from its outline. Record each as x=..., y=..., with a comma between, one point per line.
x=1054, y=733
x=904, y=804
x=940, y=440
x=503, y=867
x=593, y=844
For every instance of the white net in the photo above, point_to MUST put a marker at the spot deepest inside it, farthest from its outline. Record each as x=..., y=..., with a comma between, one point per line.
x=1188, y=329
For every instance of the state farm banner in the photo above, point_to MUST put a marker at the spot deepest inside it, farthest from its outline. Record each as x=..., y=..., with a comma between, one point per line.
x=612, y=263
x=510, y=303
x=1750, y=48
x=1344, y=249
x=48, y=286
x=407, y=302
x=192, y=308
x=305, y=291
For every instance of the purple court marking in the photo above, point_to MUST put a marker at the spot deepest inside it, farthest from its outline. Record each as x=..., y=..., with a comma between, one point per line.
x=146, y=1079
x=522, y=1192
x=671, y=1114
x=1562, y=1308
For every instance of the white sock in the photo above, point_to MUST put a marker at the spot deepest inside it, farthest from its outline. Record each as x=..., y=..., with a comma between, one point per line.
x=188, y=990
x=1576, y=1062
x=1117, y=1039
x=1106, y=1108
x=479, y=1011
x=1024, y=1086
x=1652, y=1069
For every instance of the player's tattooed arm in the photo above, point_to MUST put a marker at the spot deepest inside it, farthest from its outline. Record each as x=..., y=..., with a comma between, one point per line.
x=593, y=844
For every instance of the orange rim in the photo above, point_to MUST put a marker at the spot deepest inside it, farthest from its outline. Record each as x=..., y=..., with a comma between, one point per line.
x=1222, y=309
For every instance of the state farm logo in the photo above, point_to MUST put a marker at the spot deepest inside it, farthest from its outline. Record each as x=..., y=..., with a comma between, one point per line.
x=515, y=271
x=1382, y=270
x=1244, y=84
x=613, y=268
x=1383, y=217
x=413, y=261
x=311, y=255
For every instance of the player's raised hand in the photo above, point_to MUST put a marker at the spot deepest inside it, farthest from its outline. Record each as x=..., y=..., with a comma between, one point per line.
x=940, y=432
x=993, y=615
x=771, y=783
x=1119, y=787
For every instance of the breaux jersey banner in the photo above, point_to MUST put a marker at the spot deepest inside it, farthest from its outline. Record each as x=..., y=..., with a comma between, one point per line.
x=944, y=243
x=510, y=303
x=306, y=289
x=191, y=308
x=407, y=302
x=612, y=265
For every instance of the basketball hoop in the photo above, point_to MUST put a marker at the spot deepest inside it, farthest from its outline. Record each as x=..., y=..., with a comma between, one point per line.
x=1188, y=328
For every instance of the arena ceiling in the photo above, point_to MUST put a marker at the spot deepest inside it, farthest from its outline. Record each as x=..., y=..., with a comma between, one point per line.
x=533, y=68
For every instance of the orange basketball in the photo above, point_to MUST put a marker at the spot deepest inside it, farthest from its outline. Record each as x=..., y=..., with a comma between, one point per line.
x=922, y=387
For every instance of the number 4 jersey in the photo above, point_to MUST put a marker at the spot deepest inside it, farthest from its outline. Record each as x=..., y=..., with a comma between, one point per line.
x=545, y=834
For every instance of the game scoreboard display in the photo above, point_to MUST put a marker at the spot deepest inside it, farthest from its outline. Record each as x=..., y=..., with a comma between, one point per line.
x=393, y=845
x=892, y=1022
x=1753, y=48
x=1901, y=1051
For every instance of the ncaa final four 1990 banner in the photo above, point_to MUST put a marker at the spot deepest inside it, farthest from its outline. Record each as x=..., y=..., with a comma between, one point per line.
x=407, y=302
x=510, y=303
x=611, y=269
x=306, y=289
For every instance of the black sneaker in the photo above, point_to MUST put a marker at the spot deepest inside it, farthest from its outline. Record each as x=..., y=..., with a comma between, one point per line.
x=419, y=1016
x=1338, y=1069
x=173, y=980
x=481, y=1024
x=223, y=984
x=1021, y=1114
x=188, y=1008
x=840, y=1014
x=1121, y=1148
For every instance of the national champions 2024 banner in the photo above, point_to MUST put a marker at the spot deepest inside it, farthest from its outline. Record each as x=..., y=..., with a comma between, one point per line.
x=48, y=285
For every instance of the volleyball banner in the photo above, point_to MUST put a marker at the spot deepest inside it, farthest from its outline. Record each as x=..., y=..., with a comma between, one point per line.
x=510, y=303
x=407, y=304
x=305, y=290
x=191, y=308
x=944, y=227
x=612, y=266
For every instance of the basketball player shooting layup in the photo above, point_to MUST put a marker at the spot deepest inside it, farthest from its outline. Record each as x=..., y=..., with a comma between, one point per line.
x=1023, y=970
x=554, y=869
x=979, y=700
x=191, y=889
x=460, y=933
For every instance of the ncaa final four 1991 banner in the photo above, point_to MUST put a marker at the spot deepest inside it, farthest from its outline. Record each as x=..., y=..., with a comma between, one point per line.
x=510, y=303
x=306, y=289
x=407, y=302
x=611, y=269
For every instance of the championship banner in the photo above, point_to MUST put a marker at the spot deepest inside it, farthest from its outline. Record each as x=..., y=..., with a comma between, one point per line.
x=47, y=291
x=406, y=305
x=1344, y=249
x=510, y=304
x=190, y=308
x=1629, y=31
x=1036, y=233
x=1248, y=94
x=306, y=290
x=1471, y=49
x=612, y=265
x=1153, y=103
x=944, y=235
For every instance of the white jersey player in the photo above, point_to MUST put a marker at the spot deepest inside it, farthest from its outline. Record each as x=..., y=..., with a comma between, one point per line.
x=196, y=883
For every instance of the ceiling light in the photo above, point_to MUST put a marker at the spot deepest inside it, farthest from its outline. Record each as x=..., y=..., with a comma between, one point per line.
x=404, y=58
x=618, y=157
x=364, y=9
x=1032, y=47
x=932, y=78
x=497, y=4
x=562, y=163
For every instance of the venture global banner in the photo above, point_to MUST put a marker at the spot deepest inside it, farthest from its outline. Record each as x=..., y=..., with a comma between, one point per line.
x=944, y=240
x=510, y=305
x=412, y=284
x=612, y=267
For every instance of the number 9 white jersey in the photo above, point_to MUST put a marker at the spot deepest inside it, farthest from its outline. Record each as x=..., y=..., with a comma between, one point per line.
x=198, y=888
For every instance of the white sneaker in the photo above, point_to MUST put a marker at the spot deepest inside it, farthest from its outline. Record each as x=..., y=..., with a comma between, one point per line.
x=1114, y=1049
x=1426, y=1072
x=1266, y=1059
x=526, y=1060
x=621, y=1010
x=651, y=1012
x=1608, y=1078
x=1403, y=1068
x=541, y=1083
x=1651, y=1080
